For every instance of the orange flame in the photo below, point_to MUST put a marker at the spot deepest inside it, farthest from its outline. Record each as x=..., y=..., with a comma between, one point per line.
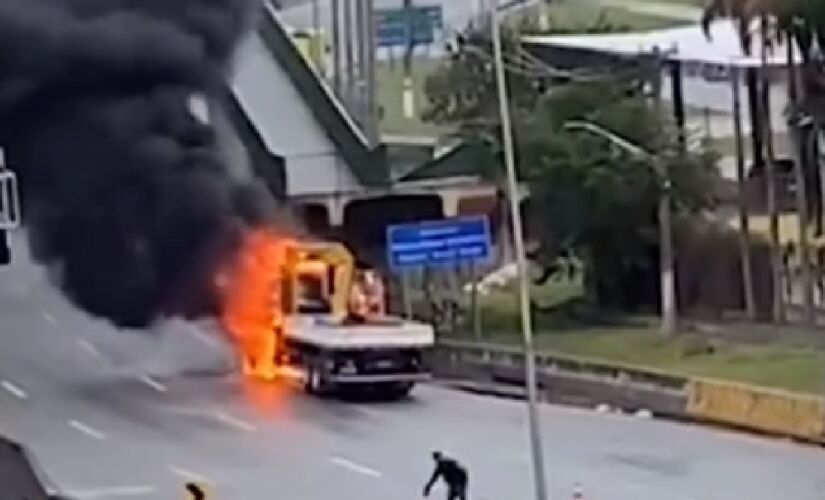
x=251, y=291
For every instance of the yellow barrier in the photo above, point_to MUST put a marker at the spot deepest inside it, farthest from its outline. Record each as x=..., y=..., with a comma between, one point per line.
x=756, y=408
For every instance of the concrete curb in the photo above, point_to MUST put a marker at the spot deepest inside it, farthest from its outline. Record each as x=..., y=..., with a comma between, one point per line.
x=499, y=371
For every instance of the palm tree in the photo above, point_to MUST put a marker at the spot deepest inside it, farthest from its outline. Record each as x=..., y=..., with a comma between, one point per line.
x=797, y=22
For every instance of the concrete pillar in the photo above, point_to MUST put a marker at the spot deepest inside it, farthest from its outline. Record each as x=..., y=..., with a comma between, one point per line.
x=450, y=199
x=335, y=209
x=506, y=254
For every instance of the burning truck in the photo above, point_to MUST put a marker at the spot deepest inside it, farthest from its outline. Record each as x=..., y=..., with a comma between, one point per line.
x=136, y=215
x=300, y=309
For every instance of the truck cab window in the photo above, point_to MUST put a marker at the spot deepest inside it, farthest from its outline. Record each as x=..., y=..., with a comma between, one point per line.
x=312, y=298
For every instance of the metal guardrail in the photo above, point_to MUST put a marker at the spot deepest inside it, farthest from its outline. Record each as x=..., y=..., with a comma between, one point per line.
x=497, y=354
x=742, y=406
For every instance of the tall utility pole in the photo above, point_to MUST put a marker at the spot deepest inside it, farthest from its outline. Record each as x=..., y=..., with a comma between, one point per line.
x=410, y=48
x=336, y=48
x=365, y=36
x=372, y=88
x=798, y=147
x=744, y=223
x=667, y=272
x=407, y=91
x=770, y=171
x=521, y=262
x=348, y=53
x=316, y=46
x=361, y=64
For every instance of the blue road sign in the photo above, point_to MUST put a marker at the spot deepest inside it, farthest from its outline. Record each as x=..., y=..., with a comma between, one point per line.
x=443, y=242
x=399, y=27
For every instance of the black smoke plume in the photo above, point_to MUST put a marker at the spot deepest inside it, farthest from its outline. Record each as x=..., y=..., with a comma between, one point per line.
x=125, y=195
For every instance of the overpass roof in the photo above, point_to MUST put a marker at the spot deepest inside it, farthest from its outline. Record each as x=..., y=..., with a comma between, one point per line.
x=689, y=44
x=368, y=165
x=472, y=158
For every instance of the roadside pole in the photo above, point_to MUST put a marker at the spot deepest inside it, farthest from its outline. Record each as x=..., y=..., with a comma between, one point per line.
x=521, y=262
x=407, y=91
x=317, y=42
x=349, y=56
x=372, y=86
x=667, y=271
x=336, y=49
x=474, y=303
x=667, y=276
x=360, y=101
x=405, y=294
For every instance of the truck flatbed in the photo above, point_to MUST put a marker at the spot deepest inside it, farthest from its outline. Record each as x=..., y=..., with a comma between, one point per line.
x=323, y=332
x=385, y=355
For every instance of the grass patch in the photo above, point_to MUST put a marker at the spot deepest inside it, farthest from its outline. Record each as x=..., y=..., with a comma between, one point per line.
x=690, y=3
x=575, y=15
x=637, y=341
x=794, y=369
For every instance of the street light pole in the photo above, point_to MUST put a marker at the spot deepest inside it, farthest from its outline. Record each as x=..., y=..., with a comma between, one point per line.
x=665, y=215
x=668, y=274
x=521, y=262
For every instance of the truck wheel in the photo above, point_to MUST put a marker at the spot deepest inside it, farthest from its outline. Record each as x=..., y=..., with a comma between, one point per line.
x=316, y=382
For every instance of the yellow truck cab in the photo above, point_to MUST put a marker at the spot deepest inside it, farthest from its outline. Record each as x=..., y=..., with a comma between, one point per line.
x=336, y=331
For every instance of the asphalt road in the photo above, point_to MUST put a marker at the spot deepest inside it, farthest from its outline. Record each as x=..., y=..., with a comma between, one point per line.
x=77, y=393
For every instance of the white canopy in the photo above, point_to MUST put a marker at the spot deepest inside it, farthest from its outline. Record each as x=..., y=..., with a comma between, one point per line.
x=687, y=44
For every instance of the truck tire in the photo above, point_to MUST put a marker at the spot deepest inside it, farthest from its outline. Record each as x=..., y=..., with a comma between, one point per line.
x=316, y=383
x=313, y=383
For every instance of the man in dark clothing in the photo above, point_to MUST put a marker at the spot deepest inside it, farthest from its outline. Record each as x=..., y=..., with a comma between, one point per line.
x=453, y=474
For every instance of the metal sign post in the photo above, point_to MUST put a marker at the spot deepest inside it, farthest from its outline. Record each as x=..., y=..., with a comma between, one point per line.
x=406, y=294
x=475, y=305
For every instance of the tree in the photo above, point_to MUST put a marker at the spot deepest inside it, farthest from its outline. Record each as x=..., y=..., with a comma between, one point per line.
x=580, y=184
x=592, y=201
x=462, y=91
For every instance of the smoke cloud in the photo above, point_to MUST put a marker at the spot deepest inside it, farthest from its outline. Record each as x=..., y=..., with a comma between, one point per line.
x=125, y=195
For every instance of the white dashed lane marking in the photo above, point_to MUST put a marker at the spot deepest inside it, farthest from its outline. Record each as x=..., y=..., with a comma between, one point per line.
x=14, y=390
x=117, y=491
x=203, y=337
x=49, y=318
x=154, y=384
x=85, y=429
x=355, y=467
x=234, y=422
x=89, y=347
x=188, y=475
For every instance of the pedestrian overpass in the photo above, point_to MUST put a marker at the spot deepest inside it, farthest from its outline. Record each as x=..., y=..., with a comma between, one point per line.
x=279, y=120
